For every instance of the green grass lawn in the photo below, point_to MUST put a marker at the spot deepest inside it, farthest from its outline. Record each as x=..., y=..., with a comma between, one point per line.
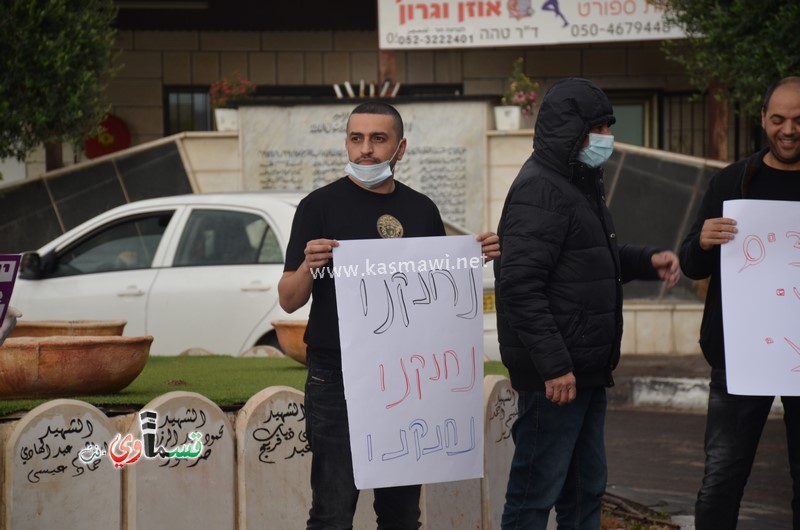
x=227, y=381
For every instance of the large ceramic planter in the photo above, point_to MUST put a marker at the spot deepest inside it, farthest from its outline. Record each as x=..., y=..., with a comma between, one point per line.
x=68, y=328
x=39, y=367
x=290, y=336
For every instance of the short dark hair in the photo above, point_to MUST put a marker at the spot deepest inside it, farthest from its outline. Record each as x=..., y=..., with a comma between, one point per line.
x=379, y=107
x=793, y=80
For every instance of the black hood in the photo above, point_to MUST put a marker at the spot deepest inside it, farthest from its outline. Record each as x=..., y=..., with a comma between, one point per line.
x=569, y=109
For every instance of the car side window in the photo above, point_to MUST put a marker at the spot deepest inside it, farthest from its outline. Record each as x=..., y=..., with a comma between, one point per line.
x=221, y=237
x=270, y=249
x=123, y=245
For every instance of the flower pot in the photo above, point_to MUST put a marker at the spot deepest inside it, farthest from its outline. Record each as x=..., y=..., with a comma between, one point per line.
x=39, y=367
x=290, y=337
x=510, y=118
x=227, y=119
x=68, y=328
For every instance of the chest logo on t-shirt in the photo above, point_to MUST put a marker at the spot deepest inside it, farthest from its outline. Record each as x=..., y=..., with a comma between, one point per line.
x=389, y=227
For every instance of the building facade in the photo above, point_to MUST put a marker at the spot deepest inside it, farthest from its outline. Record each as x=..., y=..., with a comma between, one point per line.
x=171, y=52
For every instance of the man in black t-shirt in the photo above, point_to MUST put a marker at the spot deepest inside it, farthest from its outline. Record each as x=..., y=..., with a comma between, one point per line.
x=365, y=204
x=734, y=423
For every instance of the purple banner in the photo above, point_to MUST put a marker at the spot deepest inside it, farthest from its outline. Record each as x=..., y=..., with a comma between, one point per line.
x=9, y=265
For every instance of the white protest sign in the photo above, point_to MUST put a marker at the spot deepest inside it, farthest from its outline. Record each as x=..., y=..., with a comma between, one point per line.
x=420, y=24
x=411, y=328
x=760, y=273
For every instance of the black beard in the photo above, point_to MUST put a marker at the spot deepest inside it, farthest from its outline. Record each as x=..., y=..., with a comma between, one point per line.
x=788, y=161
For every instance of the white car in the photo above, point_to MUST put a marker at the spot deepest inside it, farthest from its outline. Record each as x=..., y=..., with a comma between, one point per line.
x=193, y=271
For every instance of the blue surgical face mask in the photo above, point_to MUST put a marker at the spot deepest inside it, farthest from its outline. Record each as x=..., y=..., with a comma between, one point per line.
x=598, y=151
x=371, y=175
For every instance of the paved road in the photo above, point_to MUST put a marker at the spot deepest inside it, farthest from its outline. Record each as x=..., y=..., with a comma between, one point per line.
x=656, y=458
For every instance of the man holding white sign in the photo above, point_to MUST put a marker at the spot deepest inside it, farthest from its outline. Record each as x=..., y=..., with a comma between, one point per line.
x=366, y=204
x=735, y=422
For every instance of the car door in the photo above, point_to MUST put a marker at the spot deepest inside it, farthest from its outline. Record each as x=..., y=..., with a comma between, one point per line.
x=104, y=274
x=222, y=283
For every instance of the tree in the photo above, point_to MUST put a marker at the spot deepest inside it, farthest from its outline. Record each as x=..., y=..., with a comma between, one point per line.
x=742, y=46
x=56, y=58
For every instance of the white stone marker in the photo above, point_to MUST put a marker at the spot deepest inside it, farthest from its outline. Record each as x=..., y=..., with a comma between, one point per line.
x=501, y=413
x=273, y=460
x=454, y=504
x=56, y=473
x=274, y=463
x=185, y=486
x=478, y=504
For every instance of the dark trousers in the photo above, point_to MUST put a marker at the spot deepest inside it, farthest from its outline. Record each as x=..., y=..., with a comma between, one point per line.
x=334, y=494
x=559, y=460
x=733, y=430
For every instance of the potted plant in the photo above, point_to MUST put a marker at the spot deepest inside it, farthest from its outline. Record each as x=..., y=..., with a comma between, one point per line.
x=223, y=94
x=518, y=101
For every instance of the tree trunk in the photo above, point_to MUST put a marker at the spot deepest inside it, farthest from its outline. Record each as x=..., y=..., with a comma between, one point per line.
x=53, y=156
x=718, y=120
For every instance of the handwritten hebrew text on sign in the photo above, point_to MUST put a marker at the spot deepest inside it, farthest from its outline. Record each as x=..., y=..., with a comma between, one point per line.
x=760, y=271
x=411, y=327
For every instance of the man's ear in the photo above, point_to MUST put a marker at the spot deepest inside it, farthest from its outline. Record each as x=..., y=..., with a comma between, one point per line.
x=401, y=149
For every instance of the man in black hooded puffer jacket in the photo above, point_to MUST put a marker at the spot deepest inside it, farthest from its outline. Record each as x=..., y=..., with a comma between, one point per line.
x=559, y=309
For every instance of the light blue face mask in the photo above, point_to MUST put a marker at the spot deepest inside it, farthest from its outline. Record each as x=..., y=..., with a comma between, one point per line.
x=598, y=151
x=371, y=175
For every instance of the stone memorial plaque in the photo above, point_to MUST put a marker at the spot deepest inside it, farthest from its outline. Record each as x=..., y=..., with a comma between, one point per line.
x=478, y=503
x=501, y=413
x=184, y=474
x=302, y=148
x=454, y=504
x=57, y=472
x=274, y=462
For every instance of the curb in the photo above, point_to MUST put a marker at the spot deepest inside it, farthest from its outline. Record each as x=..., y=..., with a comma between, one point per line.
x=684, y=393
x=678, y=393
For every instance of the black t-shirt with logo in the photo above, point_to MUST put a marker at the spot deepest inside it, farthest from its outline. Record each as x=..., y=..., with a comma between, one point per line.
x=343, y=210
